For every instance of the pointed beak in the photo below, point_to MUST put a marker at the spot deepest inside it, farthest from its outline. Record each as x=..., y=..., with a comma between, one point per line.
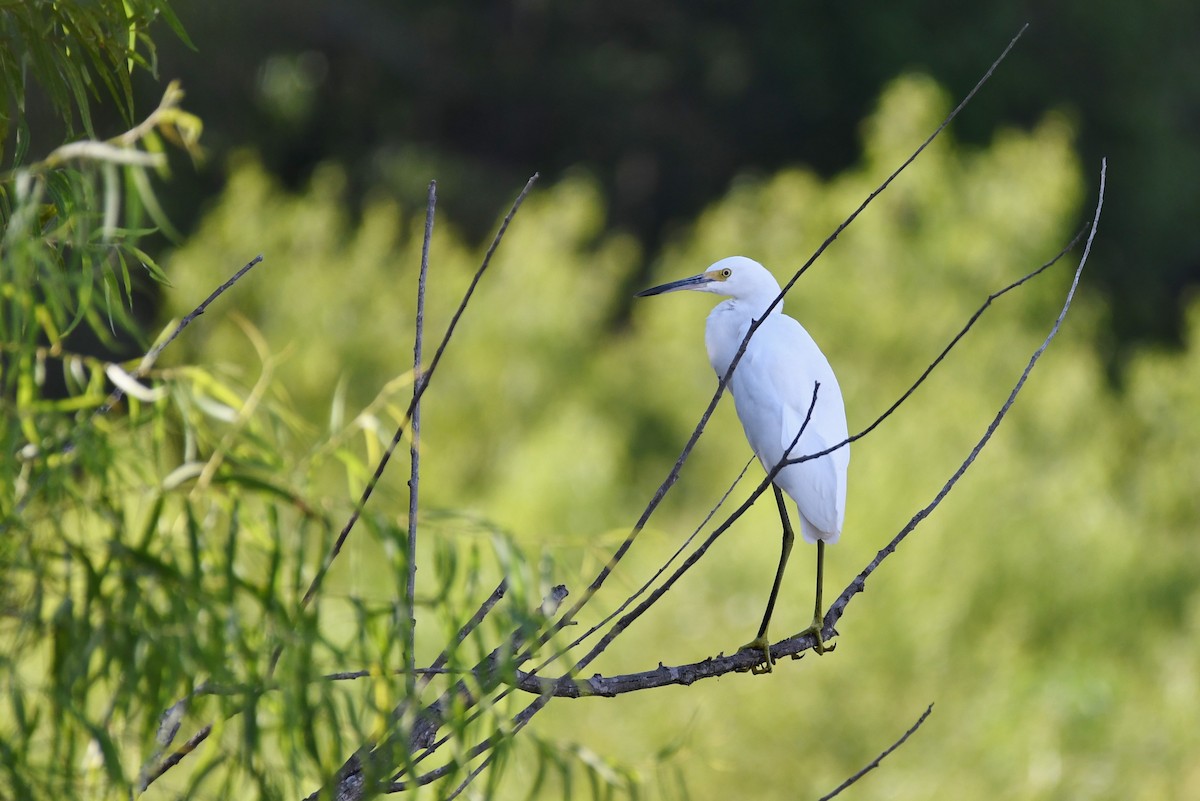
x=695, y=282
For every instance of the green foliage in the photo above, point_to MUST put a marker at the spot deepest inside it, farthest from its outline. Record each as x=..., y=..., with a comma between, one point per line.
x=72, y=262
x=154, y=553
x=76, y=53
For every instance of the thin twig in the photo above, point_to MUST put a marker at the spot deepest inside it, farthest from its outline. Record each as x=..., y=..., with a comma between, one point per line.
x=946, y=350
x=860, y=581
x=423, y=383
x=874, y=763
x=426, y=676
x=149, y=359
x=175, y=758
x=480, y=768
x=414, y=476
x=640, y=591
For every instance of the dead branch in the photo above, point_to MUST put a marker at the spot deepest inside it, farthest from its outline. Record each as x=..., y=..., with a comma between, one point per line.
x=874, y=763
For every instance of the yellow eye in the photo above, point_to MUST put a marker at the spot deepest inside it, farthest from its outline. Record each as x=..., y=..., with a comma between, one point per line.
x=726, y=272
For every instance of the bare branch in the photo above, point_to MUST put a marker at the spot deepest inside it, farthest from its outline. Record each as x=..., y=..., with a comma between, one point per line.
x=640, y=591
x=859, y=584
x=422, y=384
x=149, y=359
x=874, y=763
x=414, y=476
x=480, y=768
x=946, y=350
x=175, y=758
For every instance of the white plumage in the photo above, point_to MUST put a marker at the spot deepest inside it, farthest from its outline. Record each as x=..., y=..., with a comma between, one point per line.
x=772, y=388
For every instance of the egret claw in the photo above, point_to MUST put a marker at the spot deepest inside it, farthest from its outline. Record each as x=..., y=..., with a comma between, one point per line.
x=815, y=630
x=764, y=645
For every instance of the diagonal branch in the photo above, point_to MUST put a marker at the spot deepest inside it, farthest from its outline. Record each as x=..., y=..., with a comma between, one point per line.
x=946, y=350
x=860, y=581
x=874, y=763
x=148, y=360
x=422, y=384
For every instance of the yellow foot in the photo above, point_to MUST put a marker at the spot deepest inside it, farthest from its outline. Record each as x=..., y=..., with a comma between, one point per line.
x=815, y=631
x=764, y=645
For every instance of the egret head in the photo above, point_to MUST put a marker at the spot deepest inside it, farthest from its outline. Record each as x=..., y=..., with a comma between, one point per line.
x=735, y=277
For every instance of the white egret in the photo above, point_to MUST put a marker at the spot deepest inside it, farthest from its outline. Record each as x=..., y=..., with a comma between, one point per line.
x=772, y=387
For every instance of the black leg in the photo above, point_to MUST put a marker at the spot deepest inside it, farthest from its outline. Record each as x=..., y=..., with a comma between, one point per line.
x=818, y=622
x=788, y=538
x=761, y=642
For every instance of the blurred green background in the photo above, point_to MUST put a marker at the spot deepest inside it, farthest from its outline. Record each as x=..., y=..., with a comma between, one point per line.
x=1049, y=608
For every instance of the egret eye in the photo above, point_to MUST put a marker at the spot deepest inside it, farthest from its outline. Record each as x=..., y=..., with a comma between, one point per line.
x=726, y=272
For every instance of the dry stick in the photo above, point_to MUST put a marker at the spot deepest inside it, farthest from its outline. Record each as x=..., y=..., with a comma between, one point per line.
x=414, y=475
x=673, y=475
x=796, y=645
x=176, y=757
x=946, y=351
x=422, y=384
x=859, y=583
x=874, y=763
x=480, y=768
x=436, y=668
x=640, y=591
x=148, y=360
